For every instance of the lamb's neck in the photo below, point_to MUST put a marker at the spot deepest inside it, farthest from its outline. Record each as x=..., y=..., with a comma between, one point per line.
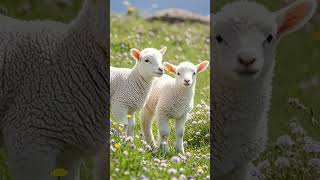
x=186, y=93
x=249, y=94
x=144, y=82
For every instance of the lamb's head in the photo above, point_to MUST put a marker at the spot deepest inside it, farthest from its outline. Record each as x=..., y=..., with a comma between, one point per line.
x=186, y=72
x=246, y=34
x=149, y=61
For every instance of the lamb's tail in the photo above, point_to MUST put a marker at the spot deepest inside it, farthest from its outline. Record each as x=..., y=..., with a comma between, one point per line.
x=146, y=116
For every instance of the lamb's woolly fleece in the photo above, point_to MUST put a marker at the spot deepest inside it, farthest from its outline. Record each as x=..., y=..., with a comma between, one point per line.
x=129, y=88
x=167, y=99
x=53, y=93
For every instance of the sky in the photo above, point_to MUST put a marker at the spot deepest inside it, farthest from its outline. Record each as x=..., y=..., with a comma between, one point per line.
x=148, y=7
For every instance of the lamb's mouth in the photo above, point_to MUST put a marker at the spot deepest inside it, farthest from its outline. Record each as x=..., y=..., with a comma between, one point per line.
x=187, y=84
x=158, y=73
x=246, y=72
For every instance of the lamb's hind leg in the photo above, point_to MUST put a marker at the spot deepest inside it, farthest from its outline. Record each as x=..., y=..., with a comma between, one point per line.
x=164, y=131
x=146, y=116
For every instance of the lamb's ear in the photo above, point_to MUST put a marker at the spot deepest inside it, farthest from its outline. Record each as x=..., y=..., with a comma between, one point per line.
x=170, y=67
x=163, y=50
x=135, y=53
x=202, y=66
x=294, y=16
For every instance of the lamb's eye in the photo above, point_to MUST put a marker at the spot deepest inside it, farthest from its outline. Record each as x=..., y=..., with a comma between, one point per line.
x=194, y=73
x=219, y=39
x=269, y=38
x=178, y=74
x=147, y=60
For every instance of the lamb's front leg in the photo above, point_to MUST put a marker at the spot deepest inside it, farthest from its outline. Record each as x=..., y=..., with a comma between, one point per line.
x=120, y=114
x=164, y=131
x=179, y=132
x=131, y=124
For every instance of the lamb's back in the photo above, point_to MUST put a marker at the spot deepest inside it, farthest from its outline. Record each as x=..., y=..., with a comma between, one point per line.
x=118, y=76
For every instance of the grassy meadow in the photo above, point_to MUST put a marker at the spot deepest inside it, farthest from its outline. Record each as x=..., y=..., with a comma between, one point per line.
x=294, y=148
x=134, y=159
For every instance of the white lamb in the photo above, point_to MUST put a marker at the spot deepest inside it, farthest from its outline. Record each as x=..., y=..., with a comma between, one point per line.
x=130, y=87
x=171, y=98
x=246, y=35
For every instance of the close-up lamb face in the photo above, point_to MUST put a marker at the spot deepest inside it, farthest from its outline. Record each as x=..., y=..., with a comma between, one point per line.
x=149, y=61
x=243, y=42
x=185, y=73
x=245, y=35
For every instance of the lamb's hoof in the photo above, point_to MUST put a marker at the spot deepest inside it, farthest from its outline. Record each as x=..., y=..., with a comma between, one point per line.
x=164, y=147
x=181, y=151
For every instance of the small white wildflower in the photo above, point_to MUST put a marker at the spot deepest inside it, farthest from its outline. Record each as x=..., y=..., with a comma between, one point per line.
x=141, y=150
x=262, y=166
x=310, y=145
x=314, y=164
x=207, y=135
x=182, y=177
x=132, y=146
x=199, y=171
x=172, y=171
x=194, y=122
x=181, y=170
x=298, y=130
x=198, y=133
x=173, y=178
x=175, y=159
x=145, y=169
x=117, y=169
x=188, y=154
x=282, y=162
x=198, y=106
x=163, y=165
x=183, y=158
x=207, y=107
x=125, y=153
x=129, y=138
x=126, y=173
x=156, y=160
x=284, y=141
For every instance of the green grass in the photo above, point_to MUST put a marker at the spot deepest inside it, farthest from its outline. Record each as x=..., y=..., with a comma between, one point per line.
x=185, y=42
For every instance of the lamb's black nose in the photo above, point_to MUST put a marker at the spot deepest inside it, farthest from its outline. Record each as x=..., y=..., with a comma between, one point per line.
x=160, y=69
